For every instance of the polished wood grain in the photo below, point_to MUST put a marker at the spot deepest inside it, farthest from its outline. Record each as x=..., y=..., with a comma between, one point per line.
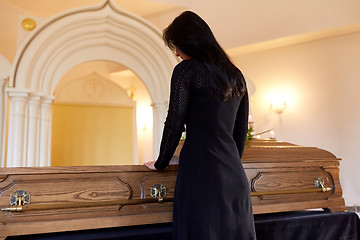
x=270, y=166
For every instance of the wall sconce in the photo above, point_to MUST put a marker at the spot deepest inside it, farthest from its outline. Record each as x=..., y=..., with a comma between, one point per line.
x=278, y=105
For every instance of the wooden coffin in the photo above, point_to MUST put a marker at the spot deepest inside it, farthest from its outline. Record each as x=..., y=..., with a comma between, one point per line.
x=291, y=177
x=54, y=199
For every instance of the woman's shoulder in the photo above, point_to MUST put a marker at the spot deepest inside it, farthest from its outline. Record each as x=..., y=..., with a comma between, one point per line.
x=188, y=65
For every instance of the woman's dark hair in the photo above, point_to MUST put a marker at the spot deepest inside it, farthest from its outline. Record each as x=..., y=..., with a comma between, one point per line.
x=191, y=34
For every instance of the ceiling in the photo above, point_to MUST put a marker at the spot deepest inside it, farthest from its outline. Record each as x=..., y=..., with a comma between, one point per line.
x=47, y=8
x=237, y=24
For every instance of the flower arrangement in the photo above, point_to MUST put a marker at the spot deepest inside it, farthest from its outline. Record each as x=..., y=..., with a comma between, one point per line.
x=250, y=134
x=183, y=135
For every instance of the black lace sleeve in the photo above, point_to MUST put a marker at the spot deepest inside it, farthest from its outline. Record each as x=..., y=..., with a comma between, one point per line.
x=241, y=124
x=177, y=113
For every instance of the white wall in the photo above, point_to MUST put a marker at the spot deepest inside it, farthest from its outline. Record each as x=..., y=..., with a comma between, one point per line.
x=321, y=81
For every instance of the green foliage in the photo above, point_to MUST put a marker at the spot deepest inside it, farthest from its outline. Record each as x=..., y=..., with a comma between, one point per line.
x=249, y=134
x=183, y=136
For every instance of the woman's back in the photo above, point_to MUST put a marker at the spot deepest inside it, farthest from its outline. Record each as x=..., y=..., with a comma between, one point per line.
x=211, y=186
x=208, y=94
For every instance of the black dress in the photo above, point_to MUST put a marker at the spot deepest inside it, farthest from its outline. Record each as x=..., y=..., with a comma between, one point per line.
x=212, y=198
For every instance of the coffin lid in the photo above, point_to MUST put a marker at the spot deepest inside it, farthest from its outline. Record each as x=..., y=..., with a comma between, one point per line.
x=272, y=150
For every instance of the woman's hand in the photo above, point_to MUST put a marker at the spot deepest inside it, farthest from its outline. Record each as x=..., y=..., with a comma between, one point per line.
x=150, y=165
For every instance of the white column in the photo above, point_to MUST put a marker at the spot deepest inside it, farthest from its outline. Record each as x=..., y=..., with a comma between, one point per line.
x=135, y=138
x=32, y=152
x=3, y=111
x=17, y=128
x=45, y=131
x=159, y=115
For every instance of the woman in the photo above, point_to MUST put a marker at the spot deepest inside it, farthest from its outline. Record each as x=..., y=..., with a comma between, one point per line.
x=209, y=95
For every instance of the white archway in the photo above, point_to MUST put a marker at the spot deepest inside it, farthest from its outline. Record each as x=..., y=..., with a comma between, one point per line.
x=101, y=32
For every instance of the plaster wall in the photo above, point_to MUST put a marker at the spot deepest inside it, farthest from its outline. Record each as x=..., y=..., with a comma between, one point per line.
x=320, y=80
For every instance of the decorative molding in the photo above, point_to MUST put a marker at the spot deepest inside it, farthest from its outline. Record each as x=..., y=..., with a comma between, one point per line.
x=129, y=188
x=294, y=40
x=28, y=24
x=93, y=33
x=8, y=186
x=252, y=184
x=95, y=90
x=142, y=188
x=100, y=32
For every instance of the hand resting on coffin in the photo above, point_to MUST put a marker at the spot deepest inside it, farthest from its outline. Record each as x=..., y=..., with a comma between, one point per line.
x=173, y=161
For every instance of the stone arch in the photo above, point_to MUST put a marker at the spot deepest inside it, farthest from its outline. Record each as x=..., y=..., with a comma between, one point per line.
x=100, y=32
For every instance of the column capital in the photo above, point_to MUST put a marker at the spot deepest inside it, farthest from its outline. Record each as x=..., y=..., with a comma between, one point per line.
x=47, y=99
x=4, y=81
x=157, y=105
x=14, y=92
x=35, y=96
